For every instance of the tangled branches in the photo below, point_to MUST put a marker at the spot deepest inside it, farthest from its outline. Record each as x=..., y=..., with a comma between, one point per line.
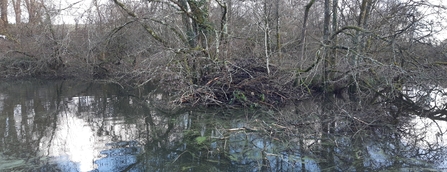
x=244, y=82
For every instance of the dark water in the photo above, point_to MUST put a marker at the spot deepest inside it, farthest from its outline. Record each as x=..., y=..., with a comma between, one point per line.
x=75, y=126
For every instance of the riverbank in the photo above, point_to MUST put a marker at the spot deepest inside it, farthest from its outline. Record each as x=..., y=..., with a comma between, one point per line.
x=243, y=82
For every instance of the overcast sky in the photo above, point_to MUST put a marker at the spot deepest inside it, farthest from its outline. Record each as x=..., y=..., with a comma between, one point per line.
x=76, y=11
x=82, y=6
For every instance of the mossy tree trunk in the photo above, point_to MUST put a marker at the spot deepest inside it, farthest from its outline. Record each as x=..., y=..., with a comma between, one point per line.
x=196, y=22
x=195, y=18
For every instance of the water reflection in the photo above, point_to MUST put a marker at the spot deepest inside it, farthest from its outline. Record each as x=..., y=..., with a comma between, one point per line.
x=72, y=126
x=121, y=157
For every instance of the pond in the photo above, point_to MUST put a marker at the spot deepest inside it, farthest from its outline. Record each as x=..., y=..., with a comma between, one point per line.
x=77, y=126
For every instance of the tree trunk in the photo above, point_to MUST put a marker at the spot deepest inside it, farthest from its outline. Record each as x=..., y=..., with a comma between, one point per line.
x=304, y=29
x=29, y=9
x=224, y=21
x=4, y=12
x=17, y=10
x=98, y=11
x=196, y=21
x=188, y=23
x=334, y=41
x=326, y=34
x=266, y=37
x=222, y=35
x=278, y=34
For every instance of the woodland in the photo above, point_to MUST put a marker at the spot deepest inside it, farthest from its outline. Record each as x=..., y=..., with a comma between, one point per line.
x=251, y=53
x=308, y=70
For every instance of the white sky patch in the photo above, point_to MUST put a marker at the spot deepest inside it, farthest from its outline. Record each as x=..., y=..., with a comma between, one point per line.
x=68, y=10
x=438, y=16
x=73, y=140
x=72, y=11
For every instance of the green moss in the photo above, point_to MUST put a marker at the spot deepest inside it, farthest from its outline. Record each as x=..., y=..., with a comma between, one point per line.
x=200, y=140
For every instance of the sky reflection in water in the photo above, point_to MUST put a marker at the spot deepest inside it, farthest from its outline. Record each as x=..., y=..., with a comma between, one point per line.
x=93, y=128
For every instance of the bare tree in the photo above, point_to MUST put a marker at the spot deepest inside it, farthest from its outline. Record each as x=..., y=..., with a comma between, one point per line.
x=34, y=9
x=16, y=4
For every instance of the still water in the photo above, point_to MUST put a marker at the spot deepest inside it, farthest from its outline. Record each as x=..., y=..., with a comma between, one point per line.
x=77, y=126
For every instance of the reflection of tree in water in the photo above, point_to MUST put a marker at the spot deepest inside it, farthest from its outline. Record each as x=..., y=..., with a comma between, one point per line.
x=311, y=142
x=368, y=140
x=29, y=119
x=253, y=141
x=297, y=138
x=121, y=157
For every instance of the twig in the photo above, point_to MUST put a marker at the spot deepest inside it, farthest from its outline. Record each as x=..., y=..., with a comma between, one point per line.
x=179, y=156
x=240, y=69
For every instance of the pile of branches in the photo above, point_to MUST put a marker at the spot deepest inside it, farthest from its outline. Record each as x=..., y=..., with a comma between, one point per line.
x=243, y=82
